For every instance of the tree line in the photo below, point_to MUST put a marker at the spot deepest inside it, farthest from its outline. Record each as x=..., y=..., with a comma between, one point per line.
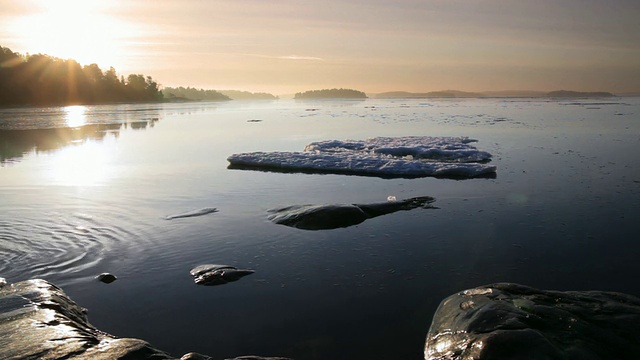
x=45, y=80
x=190, y=93
x=331, y=94
x=183, y=94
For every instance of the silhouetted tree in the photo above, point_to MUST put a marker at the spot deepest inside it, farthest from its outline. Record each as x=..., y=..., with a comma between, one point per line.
x=46, y=80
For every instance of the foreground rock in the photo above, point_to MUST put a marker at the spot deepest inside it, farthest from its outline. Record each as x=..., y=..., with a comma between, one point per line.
x=39, y=321
x=325, y=217
x=510, y=321
x=214, y=274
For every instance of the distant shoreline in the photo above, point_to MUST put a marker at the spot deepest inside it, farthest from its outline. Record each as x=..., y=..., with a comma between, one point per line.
x=456, y=94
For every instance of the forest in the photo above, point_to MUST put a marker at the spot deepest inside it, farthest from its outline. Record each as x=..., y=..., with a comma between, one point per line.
x=42, y=80
x=189, y=93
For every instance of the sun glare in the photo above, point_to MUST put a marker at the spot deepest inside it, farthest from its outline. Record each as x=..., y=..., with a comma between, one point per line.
x=86, y=164
x=81, y=30
x=75, y=115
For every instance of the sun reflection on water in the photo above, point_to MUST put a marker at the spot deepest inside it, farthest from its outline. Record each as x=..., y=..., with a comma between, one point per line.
x=75, y=115
x=86, y=164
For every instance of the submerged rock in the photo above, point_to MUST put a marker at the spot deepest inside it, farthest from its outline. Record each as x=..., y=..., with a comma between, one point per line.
x=325, y=217
x=106, y=278
x=510, y=321
x=213, y=274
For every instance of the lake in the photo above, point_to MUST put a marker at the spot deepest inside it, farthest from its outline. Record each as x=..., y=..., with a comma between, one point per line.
x=87, y=189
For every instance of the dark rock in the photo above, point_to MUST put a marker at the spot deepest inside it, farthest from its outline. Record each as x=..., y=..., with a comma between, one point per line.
x=106, y=278
x=325, y=217
x=510, y=321
x=213, y=274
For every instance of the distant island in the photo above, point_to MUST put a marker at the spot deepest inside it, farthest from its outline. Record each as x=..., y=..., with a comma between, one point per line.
x=507, y=93
x=331, y=94
x=578, y=94
x=246, y=95
x=43, y=80
x=192, y=94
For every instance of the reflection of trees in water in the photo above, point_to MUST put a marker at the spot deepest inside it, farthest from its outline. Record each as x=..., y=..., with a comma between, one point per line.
x=141, y=125
x=14, y=144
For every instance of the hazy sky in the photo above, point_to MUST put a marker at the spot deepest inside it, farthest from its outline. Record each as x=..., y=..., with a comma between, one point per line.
x=370, y=45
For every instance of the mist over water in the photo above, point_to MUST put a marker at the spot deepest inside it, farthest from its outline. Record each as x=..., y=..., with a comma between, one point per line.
x=94, y=197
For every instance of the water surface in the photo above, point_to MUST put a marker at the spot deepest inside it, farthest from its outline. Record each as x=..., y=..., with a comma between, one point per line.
x=86, y=190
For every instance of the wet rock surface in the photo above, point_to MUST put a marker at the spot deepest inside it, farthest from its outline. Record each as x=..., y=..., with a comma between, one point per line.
x=214, y=274
x=326, y=217
x=510, y=321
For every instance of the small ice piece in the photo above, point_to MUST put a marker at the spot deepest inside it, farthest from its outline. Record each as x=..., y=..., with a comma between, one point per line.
x=391, y=198
x=477, y=291
x=3, y=282
x=198, y=212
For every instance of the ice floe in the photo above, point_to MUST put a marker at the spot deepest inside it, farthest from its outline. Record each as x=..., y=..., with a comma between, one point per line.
x=410, y=156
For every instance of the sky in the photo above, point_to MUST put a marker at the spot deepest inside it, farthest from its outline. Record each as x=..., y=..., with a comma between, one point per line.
x=288, y=46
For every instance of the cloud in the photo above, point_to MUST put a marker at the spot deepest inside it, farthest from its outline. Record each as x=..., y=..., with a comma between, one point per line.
x=287, y=57
x=296, y=57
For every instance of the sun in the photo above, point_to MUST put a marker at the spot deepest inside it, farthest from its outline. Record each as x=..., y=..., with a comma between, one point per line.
x=82, y=30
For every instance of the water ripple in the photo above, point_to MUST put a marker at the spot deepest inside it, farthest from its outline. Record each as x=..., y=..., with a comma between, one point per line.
x=59, y=245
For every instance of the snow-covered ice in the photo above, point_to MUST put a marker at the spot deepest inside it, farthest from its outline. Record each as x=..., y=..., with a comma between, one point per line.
x=410, y=156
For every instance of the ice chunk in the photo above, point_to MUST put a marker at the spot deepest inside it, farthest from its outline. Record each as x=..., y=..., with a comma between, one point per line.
x=411, y=156
x=454, y=149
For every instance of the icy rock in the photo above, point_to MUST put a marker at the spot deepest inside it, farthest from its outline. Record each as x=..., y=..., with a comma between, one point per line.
x=214, y=274
x=510, y=321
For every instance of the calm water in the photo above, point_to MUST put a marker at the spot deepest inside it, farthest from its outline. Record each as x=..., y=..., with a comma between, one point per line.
x=562, y=213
